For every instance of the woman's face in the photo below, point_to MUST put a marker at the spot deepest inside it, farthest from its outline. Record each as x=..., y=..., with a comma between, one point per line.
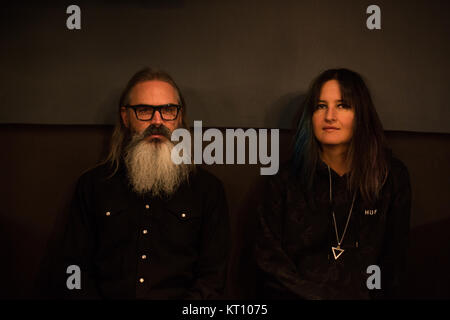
x=333, y=120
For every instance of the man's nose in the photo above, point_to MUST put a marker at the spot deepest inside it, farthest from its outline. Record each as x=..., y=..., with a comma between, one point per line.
x=157, y=119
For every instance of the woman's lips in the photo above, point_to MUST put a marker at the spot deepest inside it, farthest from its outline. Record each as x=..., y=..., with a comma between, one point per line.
x=330, y=129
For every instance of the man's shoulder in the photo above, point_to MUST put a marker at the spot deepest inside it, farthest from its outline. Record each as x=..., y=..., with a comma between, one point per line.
x=206, y=179
x=97, y=174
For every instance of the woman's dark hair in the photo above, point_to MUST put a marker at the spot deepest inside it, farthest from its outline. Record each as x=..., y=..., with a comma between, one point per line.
x=367, y=151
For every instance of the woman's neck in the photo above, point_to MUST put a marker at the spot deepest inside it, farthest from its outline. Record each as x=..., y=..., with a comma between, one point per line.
x=336, y=158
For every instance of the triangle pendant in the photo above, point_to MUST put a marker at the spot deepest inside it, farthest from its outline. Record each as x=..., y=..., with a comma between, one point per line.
x=338, y=250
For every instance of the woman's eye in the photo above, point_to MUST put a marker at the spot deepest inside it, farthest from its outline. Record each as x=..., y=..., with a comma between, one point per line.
x=343, y=106
x=321, y=106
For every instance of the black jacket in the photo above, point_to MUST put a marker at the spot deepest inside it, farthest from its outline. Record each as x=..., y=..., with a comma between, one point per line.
x=296, y=233
x=129, y=246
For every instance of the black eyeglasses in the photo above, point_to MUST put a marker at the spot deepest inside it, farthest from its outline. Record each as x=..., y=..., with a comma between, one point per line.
x=145, y=112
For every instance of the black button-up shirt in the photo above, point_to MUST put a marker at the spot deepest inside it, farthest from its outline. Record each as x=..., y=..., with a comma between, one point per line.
x=131, y=246
x=297, y=233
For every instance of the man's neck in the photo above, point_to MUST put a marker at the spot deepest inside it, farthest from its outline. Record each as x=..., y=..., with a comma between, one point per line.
x=336, y=158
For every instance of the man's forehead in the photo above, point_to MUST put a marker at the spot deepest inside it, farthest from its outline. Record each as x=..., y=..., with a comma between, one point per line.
x=153, y=92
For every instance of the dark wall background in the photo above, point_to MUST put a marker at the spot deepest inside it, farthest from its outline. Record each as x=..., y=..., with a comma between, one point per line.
x=239, y=63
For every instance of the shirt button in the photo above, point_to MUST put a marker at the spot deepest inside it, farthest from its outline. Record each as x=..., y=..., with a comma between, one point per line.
x=108, y=213
x=145, y=231
x=141, y=280
x=147, y=206
x=144, y=257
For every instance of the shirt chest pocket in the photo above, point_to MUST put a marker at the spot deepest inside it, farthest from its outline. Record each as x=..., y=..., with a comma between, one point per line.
x=180, y=226
x=114, y=225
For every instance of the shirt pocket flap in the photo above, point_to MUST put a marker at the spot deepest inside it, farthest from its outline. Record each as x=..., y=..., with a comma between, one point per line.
x=184, y=211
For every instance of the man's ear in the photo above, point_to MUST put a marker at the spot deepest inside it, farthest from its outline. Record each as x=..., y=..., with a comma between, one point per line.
x=124, y=116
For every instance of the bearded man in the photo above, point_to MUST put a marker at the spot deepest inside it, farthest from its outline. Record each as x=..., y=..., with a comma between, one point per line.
x=141, y=226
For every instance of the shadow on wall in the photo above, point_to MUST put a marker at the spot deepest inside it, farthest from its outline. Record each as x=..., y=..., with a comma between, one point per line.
x=43, y=285
x=6, y=266
x=428, y=262
x=201, y=107
x=287, y=111
x=22, y=246
x=107, y=111
x=242, y=279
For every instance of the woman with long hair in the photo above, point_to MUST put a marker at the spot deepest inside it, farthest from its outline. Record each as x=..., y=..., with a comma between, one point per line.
x=334, y=221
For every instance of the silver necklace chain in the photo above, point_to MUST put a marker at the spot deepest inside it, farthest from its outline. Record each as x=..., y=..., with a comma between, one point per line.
x=334, y=217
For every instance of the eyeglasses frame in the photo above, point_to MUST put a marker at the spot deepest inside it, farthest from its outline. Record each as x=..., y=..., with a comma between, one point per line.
x=155, y=108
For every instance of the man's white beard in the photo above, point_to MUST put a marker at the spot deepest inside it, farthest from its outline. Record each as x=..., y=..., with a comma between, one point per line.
x=151, y=169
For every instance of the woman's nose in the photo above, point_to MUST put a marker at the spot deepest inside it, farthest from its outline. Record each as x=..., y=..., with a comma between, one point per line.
x=330, y=114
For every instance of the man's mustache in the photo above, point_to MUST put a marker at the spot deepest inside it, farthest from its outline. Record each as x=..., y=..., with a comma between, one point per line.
x=159, y=130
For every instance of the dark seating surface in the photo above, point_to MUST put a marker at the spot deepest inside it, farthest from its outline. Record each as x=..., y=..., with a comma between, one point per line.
x=41, y=163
